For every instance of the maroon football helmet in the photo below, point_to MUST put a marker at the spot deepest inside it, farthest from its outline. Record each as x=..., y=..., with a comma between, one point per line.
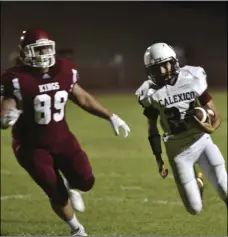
x=37, y=49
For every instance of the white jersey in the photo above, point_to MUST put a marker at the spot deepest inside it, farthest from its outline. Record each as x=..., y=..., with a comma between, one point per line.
x=173, y=103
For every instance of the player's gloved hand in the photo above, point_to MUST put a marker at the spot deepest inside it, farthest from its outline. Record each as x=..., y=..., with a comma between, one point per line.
x=143, y=89
x=11, y=117
x=143, y=94
x=116, y=123
x=205, y=126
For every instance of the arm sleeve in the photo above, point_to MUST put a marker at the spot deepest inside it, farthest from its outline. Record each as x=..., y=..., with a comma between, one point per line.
x=154, y=138
x=151, y=113
x=205, y=98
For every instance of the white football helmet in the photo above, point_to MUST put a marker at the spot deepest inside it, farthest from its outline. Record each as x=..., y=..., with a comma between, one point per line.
x=156, y=56
x=37, y=49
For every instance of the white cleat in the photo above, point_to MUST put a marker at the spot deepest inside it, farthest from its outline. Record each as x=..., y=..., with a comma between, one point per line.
x=76, y=200
x=80, y=231
x=199, y=179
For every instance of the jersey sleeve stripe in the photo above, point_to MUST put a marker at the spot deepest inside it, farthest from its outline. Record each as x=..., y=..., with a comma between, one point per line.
x=17, y=91
x=74, y=76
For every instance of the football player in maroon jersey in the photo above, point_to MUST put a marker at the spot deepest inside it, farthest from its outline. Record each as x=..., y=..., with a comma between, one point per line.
x=34, y=94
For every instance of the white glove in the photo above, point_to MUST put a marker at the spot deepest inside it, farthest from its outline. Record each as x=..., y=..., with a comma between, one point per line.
x=11, y=117
x=116, y=123
x=143, y=89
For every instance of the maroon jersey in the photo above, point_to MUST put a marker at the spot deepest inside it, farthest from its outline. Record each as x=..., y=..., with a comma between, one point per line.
x=42, y=98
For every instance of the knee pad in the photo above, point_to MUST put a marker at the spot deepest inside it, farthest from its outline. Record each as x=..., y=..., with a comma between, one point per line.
x=87, y=184
x=194, y=209
x=192, y=199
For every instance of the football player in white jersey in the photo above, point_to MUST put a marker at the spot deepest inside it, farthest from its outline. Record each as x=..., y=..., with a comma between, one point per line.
x=172, y=92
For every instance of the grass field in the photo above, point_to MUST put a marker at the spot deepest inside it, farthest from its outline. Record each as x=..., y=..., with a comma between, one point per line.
x=129, y=197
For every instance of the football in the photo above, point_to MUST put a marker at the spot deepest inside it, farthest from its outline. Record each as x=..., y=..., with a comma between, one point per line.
x=202, y=113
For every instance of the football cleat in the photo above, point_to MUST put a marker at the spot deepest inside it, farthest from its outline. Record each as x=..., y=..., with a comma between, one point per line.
x=199, y=179
x=80, y=231
x=75, y=198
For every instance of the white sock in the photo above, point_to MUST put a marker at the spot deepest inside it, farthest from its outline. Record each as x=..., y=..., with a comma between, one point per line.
x=73, y=223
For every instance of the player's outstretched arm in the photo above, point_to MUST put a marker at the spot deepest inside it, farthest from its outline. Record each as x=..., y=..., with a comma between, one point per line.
x=155, y=143
x=83, y=99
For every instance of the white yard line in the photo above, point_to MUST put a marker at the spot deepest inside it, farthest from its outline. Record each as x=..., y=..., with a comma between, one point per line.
x=6, y=172
x=17, y=196
x=112, y=199
x=164, y=202
x=145, y=200
x=131, y=187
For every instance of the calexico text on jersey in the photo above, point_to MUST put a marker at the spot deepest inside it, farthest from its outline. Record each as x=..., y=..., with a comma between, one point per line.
x=42, y=97
x=175, y=101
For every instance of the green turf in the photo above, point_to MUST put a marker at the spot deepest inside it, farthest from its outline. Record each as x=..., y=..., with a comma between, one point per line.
x=129, y=197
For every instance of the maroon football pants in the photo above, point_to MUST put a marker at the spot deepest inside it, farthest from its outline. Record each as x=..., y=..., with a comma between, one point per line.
x=44, y=166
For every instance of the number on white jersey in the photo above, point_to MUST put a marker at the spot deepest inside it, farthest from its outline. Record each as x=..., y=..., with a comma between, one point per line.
x=42, y=106
x=173, y=118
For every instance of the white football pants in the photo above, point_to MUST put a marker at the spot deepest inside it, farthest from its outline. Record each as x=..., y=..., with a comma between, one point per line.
x=208, y=156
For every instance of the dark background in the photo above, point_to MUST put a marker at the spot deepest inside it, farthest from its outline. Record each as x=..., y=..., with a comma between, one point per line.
x=96, y=31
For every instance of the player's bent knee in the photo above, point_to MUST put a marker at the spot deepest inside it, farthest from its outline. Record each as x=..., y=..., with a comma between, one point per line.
x=87, y=184
x=84, y=184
